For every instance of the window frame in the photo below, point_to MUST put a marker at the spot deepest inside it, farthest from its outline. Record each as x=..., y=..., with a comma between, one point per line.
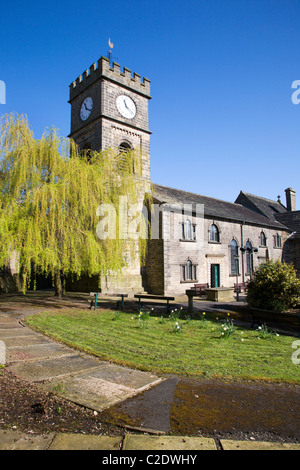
x=262, y=239
x=189, y=268
x=190, y=231
x=214, y=233
x=234, y=269
x=277, y=240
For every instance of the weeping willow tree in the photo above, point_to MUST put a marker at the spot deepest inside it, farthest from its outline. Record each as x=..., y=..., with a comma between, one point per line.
x=49, y=200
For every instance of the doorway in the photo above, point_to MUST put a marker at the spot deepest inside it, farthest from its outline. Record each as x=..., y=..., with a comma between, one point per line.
x=215, y=275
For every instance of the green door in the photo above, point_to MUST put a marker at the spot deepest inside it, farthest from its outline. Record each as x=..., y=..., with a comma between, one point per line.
x=215, y=275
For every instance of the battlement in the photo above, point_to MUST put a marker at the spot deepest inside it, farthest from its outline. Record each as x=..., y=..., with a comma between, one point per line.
x=101, y=69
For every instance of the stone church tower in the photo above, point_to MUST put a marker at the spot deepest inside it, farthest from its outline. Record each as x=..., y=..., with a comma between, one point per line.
x=109, y=108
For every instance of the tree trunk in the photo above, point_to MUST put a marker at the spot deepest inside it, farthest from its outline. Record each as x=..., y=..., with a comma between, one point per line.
x=58, y=285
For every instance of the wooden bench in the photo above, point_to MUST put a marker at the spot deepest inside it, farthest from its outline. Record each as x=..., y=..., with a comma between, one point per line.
x=96, y=296
x=200, y=288
x=154, y=297
x=241, y=287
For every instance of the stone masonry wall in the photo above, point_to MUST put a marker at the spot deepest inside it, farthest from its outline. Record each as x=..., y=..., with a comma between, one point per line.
x=204, y=253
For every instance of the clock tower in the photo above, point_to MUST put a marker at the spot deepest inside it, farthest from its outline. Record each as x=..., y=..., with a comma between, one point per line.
x=109, y=108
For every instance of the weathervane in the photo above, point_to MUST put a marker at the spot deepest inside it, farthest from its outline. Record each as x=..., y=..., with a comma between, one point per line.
x=110, y=57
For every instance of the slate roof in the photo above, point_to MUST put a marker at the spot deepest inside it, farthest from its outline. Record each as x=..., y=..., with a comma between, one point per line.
x=291, y=220
x=214, y=208
x=261, y=205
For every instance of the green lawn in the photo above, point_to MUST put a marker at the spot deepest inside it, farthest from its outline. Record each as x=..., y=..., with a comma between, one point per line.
x=155, y=344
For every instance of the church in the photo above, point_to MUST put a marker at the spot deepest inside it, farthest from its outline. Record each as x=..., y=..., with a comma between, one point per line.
x=201, y=240
x=197, y=239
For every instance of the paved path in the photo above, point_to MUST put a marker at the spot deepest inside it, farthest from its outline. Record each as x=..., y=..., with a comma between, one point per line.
x=90, y=382
x=76, y=376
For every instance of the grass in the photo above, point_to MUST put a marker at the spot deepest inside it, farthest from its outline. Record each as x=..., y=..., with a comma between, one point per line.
x=201, y=347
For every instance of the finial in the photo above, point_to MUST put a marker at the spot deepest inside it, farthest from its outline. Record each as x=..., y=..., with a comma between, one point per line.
x=110, y=44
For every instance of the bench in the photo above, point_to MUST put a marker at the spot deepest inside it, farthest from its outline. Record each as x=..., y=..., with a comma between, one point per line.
x=97, y=294
x=241, y=286
x=200, y=288
x=154, y=297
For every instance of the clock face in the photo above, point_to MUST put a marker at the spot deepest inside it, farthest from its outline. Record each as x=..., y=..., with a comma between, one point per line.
x=86, y=108
x=126, y=106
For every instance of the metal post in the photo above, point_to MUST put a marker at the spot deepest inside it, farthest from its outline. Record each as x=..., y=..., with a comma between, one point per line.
x=237, y=277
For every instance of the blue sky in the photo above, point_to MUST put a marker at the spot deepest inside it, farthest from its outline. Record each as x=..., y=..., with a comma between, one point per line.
x=221, y=72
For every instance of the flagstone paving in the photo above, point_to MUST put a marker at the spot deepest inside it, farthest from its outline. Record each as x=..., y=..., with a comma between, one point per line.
x=95, y=384
x=78, y=377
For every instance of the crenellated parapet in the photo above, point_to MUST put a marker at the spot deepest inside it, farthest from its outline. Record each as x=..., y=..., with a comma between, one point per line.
x=103, y=69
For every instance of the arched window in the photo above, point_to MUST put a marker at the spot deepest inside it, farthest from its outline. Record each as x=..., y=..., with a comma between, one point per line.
x=249, y=257
x=188, y=271
x=188, y=230
x=263, y=239
x=233, y=257
x=277, y=241
x=124, y=148
x=87, y=152
x=214, y=235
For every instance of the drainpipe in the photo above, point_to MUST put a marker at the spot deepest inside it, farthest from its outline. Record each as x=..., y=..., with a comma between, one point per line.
x=242, y=244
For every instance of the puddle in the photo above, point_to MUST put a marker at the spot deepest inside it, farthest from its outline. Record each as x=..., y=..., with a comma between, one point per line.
x=207, y=407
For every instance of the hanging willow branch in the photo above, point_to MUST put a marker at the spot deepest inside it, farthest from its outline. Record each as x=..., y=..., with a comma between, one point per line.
x=49, y=200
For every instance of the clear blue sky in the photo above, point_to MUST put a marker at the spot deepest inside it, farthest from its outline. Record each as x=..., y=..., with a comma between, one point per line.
x=221, y=72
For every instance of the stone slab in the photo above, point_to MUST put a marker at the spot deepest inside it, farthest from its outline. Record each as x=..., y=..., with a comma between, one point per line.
x=64, y=441
x=220, y=294
x=98, y=389
x=13, y=332
x=143, y=442
x=228, y=444
x=48, y=369
x=14, y=440
x=9, y=323
x=133, y=378
x=36, y=352
x=27, y=340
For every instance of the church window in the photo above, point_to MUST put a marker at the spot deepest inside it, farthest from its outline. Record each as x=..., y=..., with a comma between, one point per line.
x=188, y=271
x=87, y=152
x=249, y=257
x=233, y=257
x=124, y=148
x=214, y=234
x=188, y=230
x=277, y=241
x=263, y=239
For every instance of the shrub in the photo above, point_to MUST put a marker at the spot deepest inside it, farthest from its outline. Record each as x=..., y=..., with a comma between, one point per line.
x=274, y=286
